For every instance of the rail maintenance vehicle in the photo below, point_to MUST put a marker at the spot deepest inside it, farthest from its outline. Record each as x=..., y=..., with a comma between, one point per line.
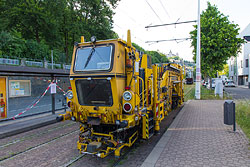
x=118, y=96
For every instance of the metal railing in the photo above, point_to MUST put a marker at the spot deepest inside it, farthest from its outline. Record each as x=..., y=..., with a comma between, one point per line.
x=67, y=67
x=9, y=61
x=34, y=63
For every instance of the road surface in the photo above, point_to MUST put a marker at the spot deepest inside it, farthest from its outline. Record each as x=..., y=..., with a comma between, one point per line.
x=238, y=93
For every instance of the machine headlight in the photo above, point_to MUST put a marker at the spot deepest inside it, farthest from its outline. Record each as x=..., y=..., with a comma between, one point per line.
x=127, y=107
x=69, y=94
x=127, y=96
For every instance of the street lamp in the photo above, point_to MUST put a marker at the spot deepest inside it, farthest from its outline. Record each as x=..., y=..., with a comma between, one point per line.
x=198, y=66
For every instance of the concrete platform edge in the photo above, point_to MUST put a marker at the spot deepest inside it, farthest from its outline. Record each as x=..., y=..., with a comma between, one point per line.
x=27, y=128
x=156, y=152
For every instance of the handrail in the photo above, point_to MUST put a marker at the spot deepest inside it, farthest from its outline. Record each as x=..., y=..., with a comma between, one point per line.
x=142, y=91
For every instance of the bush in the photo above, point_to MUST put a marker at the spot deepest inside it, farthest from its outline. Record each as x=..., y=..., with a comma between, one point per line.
x=14, y=46
x=243, y=115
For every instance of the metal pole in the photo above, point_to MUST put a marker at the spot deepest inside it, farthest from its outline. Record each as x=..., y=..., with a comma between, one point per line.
x=234, y=124
x=52, y=97
x=236, y=71
x=52, y=63
x=198, y=66
x=249, y=71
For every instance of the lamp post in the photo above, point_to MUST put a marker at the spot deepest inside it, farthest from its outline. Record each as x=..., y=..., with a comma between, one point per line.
x=198, y=66
x=249, y=71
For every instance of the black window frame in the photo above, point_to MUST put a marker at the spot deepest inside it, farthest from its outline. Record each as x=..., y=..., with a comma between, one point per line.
x=112, y=102
x=96, y=71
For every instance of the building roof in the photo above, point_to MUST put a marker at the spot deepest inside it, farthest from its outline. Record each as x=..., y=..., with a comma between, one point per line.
x=33, y=70
x=245, y=32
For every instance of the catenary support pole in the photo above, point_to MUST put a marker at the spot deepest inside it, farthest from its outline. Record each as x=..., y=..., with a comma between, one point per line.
x=249, y=71
x=52, y=60
x=52, y=97
x=198, y=66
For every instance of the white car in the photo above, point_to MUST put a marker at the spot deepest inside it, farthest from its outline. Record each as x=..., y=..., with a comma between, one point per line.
x=229, y=84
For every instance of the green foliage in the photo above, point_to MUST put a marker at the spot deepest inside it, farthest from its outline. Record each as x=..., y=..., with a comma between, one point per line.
x=11, y=45
x=206, y=94
x=15, y=47
x=139, y=48
x=218, y=40
x=175, y=57
x=157, y=57
x=56, y=24
x=243, y=115
x=189, y=92
x=225, y=70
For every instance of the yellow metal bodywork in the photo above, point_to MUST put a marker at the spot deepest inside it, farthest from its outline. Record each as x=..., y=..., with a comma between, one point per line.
x=155, y=89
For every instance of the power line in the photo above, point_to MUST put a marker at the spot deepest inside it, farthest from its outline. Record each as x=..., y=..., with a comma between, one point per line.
x=180, y=39
x=171, y=24
x=133, y=36
x=154, y=11
x=164, y=8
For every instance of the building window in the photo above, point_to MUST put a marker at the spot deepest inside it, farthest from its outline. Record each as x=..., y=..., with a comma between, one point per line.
x=246, y=62
x=19, y=88
x=241, y=64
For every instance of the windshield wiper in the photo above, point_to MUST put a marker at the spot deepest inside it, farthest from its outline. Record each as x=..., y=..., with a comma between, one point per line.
x=89, y=57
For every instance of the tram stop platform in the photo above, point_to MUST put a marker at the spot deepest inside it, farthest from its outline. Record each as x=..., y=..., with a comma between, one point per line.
x=13, y=127
x=199, y=137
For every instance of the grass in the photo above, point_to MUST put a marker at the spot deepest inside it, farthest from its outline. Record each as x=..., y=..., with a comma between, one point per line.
x=243, y=115
x=206, y=94
x=189, y=91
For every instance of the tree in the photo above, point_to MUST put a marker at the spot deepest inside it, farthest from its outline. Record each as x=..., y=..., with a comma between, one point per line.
x=225, y=70
x=57, y=24
x=218, y=41
x=157, y=57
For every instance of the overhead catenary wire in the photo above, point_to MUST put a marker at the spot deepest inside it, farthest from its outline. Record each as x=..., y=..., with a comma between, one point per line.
x=133, y=36
x=164, y=8
x=160, y=25
x=179, y=39
x=153, y=11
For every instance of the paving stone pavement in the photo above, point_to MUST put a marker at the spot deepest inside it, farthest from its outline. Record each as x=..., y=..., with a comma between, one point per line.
x=198, y=137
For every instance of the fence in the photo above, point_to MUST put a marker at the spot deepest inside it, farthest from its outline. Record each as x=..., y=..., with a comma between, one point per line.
x=9, y=61
x=32, y=63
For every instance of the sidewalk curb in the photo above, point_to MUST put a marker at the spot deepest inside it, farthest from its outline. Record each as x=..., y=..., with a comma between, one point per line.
x=152, y=158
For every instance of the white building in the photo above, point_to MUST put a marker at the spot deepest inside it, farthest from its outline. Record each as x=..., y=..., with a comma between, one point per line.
x=170, y=54
x=239, y=66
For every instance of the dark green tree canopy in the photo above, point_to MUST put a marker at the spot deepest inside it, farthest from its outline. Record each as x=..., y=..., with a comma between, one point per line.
x=55, y=24
x=218, y=40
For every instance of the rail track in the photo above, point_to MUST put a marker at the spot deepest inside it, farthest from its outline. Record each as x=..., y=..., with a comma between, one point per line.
x=114, y=164
x=73, y=161
x=75, y=158
x=38, y=146
x=35, y=135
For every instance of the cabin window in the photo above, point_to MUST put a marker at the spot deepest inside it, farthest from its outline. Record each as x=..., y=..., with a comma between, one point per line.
x=95, y=92
x=93, y=58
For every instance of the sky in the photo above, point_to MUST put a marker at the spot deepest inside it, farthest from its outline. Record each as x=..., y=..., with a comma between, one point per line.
x=137, y=14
